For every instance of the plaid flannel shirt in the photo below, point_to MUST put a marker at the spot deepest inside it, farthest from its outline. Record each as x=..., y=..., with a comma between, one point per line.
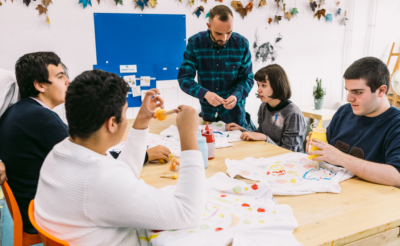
x=224, y=70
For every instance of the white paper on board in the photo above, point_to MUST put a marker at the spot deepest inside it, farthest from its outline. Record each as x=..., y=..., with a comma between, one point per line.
x=127, y=68
x=136, y=91
x=131, y=80
x=144, y=93
x=145, y=81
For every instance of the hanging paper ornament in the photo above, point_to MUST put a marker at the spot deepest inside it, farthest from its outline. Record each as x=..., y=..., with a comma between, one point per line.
x=191, y=3
x=198, y=11
x=46, y=2
x=238, y=6
x=85, y=3
x=337, y=4
x=329, y=17
x=41, y=9
x=48, y=20
x=118, y=2
x=269, y=20
x=219, y=1
x=277, y=18
x=153, y=3
x=208, y=14
x=339, y=11
x=27, y=2
x=262, y=3
x=344, y=21
x=139, y=4
x=288, y=15
x=277, y=2
x=313, y=5
x=98, y=1
x=294, y=11
x=0, y=3
x=204, y=1
x=249, y=6
x=321, y=2
x=320, y=13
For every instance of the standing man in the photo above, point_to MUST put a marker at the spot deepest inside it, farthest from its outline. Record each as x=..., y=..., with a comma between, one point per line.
x=225, y=76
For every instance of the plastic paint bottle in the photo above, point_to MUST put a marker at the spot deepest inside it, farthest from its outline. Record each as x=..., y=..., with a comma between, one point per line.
x=209, y=135
x=203, y=148
x=320, y=134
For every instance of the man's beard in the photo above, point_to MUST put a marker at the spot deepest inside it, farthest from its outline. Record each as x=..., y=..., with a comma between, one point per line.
x=216, y=41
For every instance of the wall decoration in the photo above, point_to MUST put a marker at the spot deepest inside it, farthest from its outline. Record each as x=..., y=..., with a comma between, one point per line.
x=27, y=2
x=294, y=11
x=118, y=2
x=313, y=5
x=288, y=15
x=46, y=2
x=153, y=3
x=262, y=3
x=329, y=17
x=85, y=3
x=277, y=18
x=269, y=20
x=41, y=9
x=320, y=13
x=191, y=3
x=48, y=20
x=198, y=11
x=266, y=51
x=238, y=6
x=139, y=4
x=204, y=1
x=338, y=11
x=208, y=14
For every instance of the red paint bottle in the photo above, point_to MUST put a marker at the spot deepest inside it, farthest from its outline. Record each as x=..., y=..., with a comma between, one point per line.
x=210, y=139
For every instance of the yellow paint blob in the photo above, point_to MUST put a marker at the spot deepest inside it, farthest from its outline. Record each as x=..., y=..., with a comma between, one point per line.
x=250, y=209
x=246, y=188
x=262, y=221
x=191, y=231
x=222, y=216
x=148, y=239
x=274, y=212
x=293, y=181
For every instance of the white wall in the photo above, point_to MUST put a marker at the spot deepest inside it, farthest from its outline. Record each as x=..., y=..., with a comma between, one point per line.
x=310, y=48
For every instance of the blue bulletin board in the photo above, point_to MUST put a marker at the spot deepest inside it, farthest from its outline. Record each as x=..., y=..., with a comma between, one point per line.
x=155, y=43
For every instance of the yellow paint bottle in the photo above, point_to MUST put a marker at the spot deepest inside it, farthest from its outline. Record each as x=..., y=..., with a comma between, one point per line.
x=320, y=134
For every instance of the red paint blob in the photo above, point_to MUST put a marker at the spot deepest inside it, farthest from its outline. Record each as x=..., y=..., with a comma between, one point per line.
x=260, y=210
x=223, y=195
x=218, y=229
x=245, y=205
x=268, y=173
x=157, y=231
x=254, y=187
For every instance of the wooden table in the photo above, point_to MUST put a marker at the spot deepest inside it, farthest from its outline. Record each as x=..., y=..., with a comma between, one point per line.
x=322, y=114
x=363, y=214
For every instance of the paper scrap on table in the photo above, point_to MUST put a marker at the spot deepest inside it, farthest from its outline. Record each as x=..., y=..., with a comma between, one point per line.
x=235, y=213
x=131, y=80
x=145, y=81
x=222, y=138
x=290, y=174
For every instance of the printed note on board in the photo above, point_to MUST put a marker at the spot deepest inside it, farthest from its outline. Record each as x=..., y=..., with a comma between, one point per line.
x=130, y=79
x=127, y=68
x=145, y=81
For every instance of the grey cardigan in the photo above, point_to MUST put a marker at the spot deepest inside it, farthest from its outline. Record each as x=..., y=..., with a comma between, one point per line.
x=284, y=127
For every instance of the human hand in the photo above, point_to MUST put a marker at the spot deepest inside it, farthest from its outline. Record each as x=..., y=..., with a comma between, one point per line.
x=230, y=102
x=214, y=99
x=3, y=176
x=253, y=136
x=327, y=152
x=187, y=122
x=150, y=103
x=308, y=141
x=232, y=127
x=158, y=152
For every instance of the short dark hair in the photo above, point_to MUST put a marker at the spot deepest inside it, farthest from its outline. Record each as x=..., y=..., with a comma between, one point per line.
x=33, y=67
x=278, y=81
x=222, y=12
x=92, y=98
x=372, y=70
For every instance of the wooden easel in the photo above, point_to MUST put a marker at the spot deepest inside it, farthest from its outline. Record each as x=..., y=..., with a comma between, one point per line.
x=392, y=95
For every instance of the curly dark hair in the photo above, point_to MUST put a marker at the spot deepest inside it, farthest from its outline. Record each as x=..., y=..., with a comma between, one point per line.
x=92, y=98
x=372, y=70
x=33, y=67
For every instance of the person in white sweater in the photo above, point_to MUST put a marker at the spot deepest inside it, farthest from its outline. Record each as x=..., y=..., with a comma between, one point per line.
x=88, y=198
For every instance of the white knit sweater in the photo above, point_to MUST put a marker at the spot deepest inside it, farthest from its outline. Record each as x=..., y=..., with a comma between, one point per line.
x=89, y=199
